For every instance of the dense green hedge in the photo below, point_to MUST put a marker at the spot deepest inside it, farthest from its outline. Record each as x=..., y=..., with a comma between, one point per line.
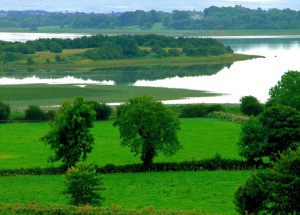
x=216, y=163
x=199, y=110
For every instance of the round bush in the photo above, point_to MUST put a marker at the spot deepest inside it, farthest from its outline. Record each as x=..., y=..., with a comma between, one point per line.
x=34, y=112
x=250, y=106
x=5, y=111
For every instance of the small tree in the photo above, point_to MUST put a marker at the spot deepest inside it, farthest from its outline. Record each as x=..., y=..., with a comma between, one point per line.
x=253, y=140
x=34, y=112
x=272, y=191
x=250, y=106
x=5, y=111
x=83, y=185
x=55, y=47
x=147, y=127
x=69, y=135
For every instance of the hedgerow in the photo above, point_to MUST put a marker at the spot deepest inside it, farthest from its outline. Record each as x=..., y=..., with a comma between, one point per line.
x=211, y=164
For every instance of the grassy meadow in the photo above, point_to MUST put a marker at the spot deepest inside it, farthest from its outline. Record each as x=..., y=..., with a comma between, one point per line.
x=201, y=138
x=210, y=192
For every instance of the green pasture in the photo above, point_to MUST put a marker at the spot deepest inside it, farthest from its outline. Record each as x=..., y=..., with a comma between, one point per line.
x=210, y=192
x=20, y=96
x=201, y=138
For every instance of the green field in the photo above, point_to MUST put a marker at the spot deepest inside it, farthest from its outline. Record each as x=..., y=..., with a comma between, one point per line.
x=201, y=138
x=201, y=191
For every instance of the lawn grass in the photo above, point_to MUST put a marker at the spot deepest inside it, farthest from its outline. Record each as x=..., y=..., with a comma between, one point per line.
x=201, y=138
x=210, y=192
x=20, y=96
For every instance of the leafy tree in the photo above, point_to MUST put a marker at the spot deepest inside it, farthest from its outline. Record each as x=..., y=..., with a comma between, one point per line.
x=5, y=111
x=69, y=135
x=272, y=191
x=283, y=129
x=55, y=47
x=287, y=91
x=250, y=106
x=275, y=131
x=253, y=140
x=34, y=112
x=83, y=185
x=147, y=127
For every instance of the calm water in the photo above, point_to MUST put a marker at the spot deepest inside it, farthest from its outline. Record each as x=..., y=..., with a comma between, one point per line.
x=253, y=77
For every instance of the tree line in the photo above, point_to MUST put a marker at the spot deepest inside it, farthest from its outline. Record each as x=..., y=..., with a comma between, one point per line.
x=103, y=47
x=237, y=18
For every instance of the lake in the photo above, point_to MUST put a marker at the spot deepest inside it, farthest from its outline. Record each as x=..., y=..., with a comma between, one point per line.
x=252, y=77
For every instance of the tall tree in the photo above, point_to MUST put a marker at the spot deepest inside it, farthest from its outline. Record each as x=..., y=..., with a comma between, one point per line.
x=147, y=127
x=69, y=135
x=287, y=91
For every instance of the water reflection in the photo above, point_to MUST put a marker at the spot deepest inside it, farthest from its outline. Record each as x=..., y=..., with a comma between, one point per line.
x=253, y=77
x=119, y=76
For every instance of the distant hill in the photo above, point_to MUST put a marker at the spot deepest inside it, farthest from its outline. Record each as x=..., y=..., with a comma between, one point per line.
x=101, y=6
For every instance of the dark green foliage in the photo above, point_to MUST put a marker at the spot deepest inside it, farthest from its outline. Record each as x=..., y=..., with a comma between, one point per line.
x=147, y=127
x=275, y=131
x=215, y=163
x=253, y=140
x=249, y=198
x=198, y=110
x=273, y=191
x=103, y=111
x=5, y=111
x=174, y=52
x=30, y=61
x=34, y=113
x=104, y=53
x=287, y=91
x=69, y=135
x=250, y=106
x=83, y=185
x=283, y=129
x=55, y=47
x=10, y=57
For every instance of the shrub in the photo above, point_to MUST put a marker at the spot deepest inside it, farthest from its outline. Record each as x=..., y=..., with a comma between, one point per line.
x=103, y=111
x=34, y=112
x=174, y=52
x=5, y=111
x=250, y=106
x=83, y=185
x=273, y=191
x=198, y=110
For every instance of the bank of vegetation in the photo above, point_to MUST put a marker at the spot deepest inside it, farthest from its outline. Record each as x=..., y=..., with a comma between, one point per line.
x=222, y=18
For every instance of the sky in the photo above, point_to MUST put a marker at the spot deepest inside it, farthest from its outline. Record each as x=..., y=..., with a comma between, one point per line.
x=104, y=6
